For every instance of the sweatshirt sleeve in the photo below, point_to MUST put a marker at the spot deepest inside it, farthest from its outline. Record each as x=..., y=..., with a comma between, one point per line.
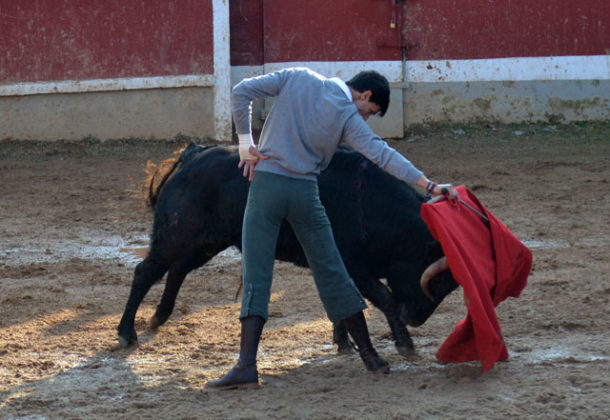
x=249, y=89
x=359, y=135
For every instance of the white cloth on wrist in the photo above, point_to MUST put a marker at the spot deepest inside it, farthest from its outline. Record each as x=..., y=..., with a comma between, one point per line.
x=245, y=141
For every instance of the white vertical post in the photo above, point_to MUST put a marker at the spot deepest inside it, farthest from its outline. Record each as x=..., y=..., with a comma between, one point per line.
x=222, y=70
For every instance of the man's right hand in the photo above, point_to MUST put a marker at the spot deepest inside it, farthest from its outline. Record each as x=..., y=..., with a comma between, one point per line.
x=448, y=191
x=249, y=160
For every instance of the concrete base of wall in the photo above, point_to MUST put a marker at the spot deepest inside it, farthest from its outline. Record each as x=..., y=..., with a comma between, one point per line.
x=152, y=113
x=164, y=113
x=507, y=102
x=498, y=102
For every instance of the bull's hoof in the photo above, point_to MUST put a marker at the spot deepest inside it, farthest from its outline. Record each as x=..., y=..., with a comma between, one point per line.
x=154, y=322
x=374, y=362
x=346, y=348
x=406, y=351
x=127, y=342
x=157, y=320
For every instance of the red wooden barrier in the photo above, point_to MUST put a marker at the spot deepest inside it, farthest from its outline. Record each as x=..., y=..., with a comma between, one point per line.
x=88, y=39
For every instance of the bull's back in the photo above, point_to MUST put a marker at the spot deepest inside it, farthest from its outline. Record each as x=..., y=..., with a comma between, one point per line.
x=360, y=196
x=204, y=200
x=375, y=217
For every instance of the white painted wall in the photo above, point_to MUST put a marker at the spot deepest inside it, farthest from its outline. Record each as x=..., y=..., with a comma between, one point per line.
x=456, y=91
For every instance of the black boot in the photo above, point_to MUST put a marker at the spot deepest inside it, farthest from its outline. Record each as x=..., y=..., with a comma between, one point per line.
x=356, y=326
x=244, y=373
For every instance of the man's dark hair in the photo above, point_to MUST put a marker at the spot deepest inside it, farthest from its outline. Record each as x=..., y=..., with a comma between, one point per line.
x=377, y=84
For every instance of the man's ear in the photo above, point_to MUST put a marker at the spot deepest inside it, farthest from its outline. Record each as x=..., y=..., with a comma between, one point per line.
x=366, y=95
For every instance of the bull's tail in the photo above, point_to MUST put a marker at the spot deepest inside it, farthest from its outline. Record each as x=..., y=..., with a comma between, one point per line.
x=157, y=175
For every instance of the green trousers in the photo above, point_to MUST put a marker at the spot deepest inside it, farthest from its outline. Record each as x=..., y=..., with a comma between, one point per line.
x=273, y=198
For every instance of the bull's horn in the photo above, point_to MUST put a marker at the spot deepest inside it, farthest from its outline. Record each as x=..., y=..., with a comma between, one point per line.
x=432, y=270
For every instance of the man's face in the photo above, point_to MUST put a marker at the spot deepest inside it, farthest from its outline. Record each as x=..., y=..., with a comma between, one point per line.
x=366, y=108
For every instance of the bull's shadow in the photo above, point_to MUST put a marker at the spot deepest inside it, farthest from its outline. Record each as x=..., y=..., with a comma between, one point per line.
x=199, y=199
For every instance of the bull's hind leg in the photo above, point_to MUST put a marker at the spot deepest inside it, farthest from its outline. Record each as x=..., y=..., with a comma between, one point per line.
x=147, y=273
x=176, y=275
x=341, y=339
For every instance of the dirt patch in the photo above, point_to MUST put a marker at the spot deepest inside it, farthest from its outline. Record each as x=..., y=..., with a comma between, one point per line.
x=71, y=231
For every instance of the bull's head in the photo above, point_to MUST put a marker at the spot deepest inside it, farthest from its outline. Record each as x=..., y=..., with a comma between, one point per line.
x=427, y=292
x=429, y=273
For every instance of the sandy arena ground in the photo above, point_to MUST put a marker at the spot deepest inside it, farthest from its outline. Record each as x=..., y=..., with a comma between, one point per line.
x=71, y=231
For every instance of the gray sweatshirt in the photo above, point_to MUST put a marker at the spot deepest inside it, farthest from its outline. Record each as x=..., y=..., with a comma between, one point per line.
x=311, y=117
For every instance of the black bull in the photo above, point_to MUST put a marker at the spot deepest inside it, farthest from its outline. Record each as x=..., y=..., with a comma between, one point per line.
x=375, y=218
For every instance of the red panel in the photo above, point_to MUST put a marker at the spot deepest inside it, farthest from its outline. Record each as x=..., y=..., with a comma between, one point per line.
x=454, y=29
x=246, y=32
x=90, y=39
x=322, y=30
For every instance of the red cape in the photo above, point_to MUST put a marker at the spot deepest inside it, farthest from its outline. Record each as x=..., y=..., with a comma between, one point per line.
x=490, y=264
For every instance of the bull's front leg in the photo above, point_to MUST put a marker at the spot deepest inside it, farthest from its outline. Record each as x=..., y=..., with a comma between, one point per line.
x=381, y=297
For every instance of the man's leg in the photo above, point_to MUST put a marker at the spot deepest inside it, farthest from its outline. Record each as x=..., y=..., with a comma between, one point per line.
x=244, y=373
x=341, y=298
x=261, y=225
x=265, y=211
